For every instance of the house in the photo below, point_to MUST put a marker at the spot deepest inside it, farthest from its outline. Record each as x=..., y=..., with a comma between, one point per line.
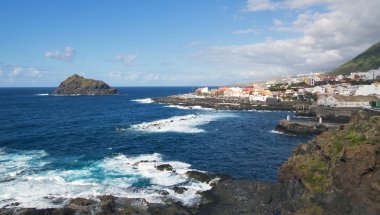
x=346, y=101
x=202, y=91
x=373, y=74
x=365, y=90
x=262, y=98
x=234, y=92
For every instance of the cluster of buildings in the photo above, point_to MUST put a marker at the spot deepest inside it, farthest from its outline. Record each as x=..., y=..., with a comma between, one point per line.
x=252, y=92
x=359, y=89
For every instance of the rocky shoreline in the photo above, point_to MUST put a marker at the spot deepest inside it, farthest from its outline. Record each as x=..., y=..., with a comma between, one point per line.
x=225, y=103
x=298, y=127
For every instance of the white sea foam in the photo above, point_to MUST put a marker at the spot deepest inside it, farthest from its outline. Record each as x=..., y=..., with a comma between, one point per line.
x=143, y=101
x=181, y=124
x=178, y=107
x=276, y=132
x=121, y=176
x=279, y=132
x=197, y=107
x=42, y=94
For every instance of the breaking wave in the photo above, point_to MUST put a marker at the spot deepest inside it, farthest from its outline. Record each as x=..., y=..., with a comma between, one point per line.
x=26, y=180
x=180, y=124
x=188, y=107
x=143, y=101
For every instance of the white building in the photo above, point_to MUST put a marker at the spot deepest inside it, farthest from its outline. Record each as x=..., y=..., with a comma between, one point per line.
x=346, y=101
x=365, y=90
x=344, y=90
x=372, y=74
x=257, y=98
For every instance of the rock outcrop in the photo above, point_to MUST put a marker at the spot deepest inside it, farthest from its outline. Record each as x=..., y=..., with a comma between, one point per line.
x=78, y=85
x=301, y=128
x=340, y=170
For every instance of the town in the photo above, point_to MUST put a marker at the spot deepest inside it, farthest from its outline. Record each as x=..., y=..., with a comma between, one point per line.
x=359, y=89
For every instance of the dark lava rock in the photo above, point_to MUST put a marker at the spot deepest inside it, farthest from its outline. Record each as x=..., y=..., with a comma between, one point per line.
x=179, y=190
x=206, y=177
x=82, y=202
x=242, y=197
x=164, y=167
x=78, y=85
x=300, y=128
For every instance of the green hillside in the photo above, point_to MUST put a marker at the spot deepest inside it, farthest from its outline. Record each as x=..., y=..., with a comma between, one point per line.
x=370, y=59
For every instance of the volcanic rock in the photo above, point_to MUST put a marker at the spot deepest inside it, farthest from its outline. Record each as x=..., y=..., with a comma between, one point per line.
x=78, y=85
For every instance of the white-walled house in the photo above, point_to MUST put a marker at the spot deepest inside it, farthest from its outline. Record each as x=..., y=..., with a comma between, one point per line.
x=346, y=101
x=365, y=90
x=262, y=98
x=372, y=74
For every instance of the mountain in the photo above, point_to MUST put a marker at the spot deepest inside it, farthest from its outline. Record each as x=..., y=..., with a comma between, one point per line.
x=78, y=85
x=369, y=59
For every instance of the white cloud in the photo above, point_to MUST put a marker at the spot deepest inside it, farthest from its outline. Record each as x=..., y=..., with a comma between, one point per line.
x=245, y=31
x=67, y=54
x=277, y=22
x=257, y=5
x=194, y=43
x=260, y=5
x=327, y=38
x=16, y=72
x=136, y=76
x=127, y=60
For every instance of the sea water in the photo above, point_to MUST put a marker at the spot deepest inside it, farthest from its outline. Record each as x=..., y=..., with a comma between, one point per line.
x=53, y=148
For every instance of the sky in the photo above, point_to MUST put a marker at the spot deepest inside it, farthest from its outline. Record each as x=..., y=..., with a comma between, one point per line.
x=179, y=42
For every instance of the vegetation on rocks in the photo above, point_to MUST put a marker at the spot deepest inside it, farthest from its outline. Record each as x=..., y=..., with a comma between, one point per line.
x=339, y=167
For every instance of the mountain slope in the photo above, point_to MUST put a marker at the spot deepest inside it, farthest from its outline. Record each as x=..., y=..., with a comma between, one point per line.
x=369, y=59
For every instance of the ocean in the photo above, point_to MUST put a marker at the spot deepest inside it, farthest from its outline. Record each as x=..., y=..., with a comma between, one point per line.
x=57, y=147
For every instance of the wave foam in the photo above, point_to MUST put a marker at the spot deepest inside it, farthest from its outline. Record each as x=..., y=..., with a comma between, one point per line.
x=279, y=132
x=42, y=94
x=143, y=101
x=120, y=175
x=181, y=124
x=197, y=107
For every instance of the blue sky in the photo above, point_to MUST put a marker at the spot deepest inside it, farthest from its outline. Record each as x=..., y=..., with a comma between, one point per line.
x=172, y=43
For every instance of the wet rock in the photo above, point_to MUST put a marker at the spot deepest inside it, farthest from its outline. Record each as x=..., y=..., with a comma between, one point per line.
x=82, y=201
x=206, y=177
x=300, y=128
x=242, y=197
x=179, y=190
x=164, y=167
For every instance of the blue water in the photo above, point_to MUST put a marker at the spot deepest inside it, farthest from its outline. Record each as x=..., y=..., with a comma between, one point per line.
x=88, y=139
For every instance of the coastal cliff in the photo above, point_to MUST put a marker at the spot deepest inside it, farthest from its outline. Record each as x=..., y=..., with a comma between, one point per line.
x=78, y=85
x=339, y=170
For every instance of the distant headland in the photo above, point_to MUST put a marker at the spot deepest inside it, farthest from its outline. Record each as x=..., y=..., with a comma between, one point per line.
x=78, y=85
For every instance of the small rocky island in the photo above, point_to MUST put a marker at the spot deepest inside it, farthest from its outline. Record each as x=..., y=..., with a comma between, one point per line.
x=78, y=85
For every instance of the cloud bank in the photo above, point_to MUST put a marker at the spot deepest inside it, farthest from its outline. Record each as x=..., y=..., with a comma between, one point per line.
x=328, y=38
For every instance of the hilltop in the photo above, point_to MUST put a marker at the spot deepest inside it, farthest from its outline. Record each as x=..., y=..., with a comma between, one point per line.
x=78, y=85
x=369, y=59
